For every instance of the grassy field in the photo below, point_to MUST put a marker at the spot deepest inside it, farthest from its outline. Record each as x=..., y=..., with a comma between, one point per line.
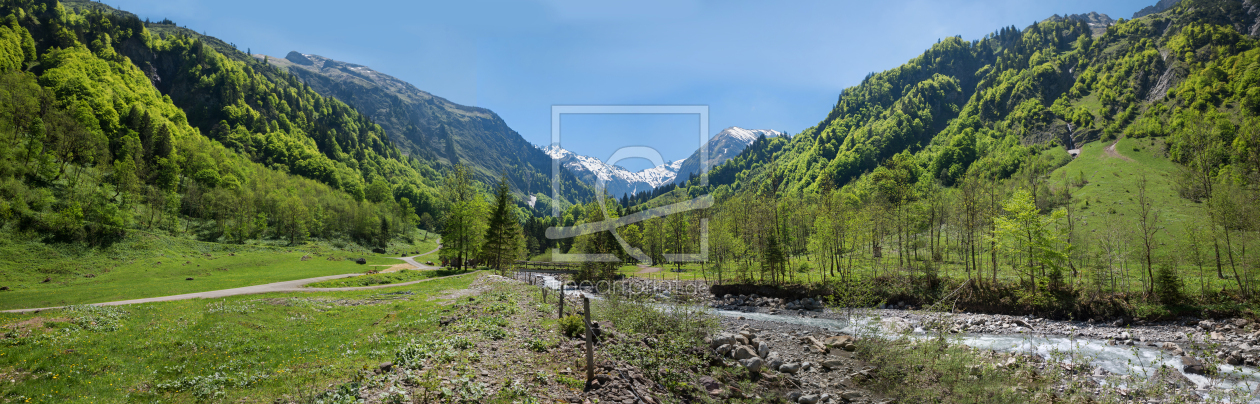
x=232, y=349
x=1109, y=200
x=146, y=265
x=385, y=278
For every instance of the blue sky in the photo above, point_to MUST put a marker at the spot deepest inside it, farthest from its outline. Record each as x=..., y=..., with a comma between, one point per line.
x=759, y=65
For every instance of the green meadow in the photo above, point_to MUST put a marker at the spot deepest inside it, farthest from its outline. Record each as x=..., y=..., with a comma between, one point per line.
x=242, y=348
x=146, y=265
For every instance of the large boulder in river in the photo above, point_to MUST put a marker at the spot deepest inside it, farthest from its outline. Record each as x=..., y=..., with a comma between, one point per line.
x=1192, y=365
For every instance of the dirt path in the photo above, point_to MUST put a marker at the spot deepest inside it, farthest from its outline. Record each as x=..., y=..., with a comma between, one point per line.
x=396, y=267
x=647, y=270
x=412, y=259
x=286, y=286
x=1110, y=151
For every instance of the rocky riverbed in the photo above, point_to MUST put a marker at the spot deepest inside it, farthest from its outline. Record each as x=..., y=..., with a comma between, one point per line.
x=1232, y=341
x=814, y=365
x=796, y=349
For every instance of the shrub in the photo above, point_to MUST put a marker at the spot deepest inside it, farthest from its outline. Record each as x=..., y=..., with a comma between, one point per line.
x=461, y=343
x=494, y=333
x=537, y=345
x=412, y=354
x=569, y=381
x=572, y=326
x=1167, y=285
x=96, y=318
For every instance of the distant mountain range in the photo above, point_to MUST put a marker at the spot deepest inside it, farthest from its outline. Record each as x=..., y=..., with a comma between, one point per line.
x=723, y=146
x=432, y=128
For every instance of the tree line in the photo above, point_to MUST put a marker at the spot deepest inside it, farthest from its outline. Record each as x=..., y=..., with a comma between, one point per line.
x=476, y=232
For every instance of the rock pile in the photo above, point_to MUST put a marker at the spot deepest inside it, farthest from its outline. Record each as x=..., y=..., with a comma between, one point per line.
x=817, y=366
x=772, y=304
x=1231, y=341
x=620, y=383
x=993, y=324
x=1239, y=340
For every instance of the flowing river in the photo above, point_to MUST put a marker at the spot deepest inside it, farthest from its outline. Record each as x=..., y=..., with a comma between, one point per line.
x=1134, y=361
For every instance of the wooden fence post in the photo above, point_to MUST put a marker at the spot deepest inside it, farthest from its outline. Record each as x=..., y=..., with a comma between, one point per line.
x=590, y=341
x=560, y=314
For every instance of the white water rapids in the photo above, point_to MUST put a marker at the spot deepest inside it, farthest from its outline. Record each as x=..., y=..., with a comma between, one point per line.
x=1135, y=361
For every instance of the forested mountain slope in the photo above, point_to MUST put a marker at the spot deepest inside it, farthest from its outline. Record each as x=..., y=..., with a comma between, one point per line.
x=986, y=106
x=959, y=161
x=110, y=126
x=432, y=128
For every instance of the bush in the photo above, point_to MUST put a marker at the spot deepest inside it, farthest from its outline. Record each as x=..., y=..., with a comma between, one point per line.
x=1167, y=285
x=572, y=326
x=538, y=345
x=412, y=355
x=494, y=333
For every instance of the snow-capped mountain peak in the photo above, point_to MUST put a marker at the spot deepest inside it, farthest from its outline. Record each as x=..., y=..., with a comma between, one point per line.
x=745, y=136
x=618, y=180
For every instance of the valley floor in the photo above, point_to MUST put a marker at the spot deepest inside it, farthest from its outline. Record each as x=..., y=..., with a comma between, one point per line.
x=482, y=338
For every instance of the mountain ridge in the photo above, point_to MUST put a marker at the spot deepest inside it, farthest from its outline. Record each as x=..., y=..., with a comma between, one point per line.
x=723, y=146
x=433, y=128
x=1155, y=8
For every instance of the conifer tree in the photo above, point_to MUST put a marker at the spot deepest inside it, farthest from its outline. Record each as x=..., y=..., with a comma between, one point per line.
x=503, y=235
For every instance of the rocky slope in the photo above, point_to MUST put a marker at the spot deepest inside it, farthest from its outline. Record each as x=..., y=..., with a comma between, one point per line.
x=1097, y=22
x=1157, y=7
x=722, y=146
x=430, y=127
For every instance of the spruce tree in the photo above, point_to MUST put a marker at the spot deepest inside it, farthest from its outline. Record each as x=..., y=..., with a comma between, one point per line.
x=773, y=258
x=503, y=235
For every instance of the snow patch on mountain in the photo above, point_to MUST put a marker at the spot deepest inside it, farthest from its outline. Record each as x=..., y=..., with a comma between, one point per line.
x=591, y=169
x=745, y=135
x=726, y=144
